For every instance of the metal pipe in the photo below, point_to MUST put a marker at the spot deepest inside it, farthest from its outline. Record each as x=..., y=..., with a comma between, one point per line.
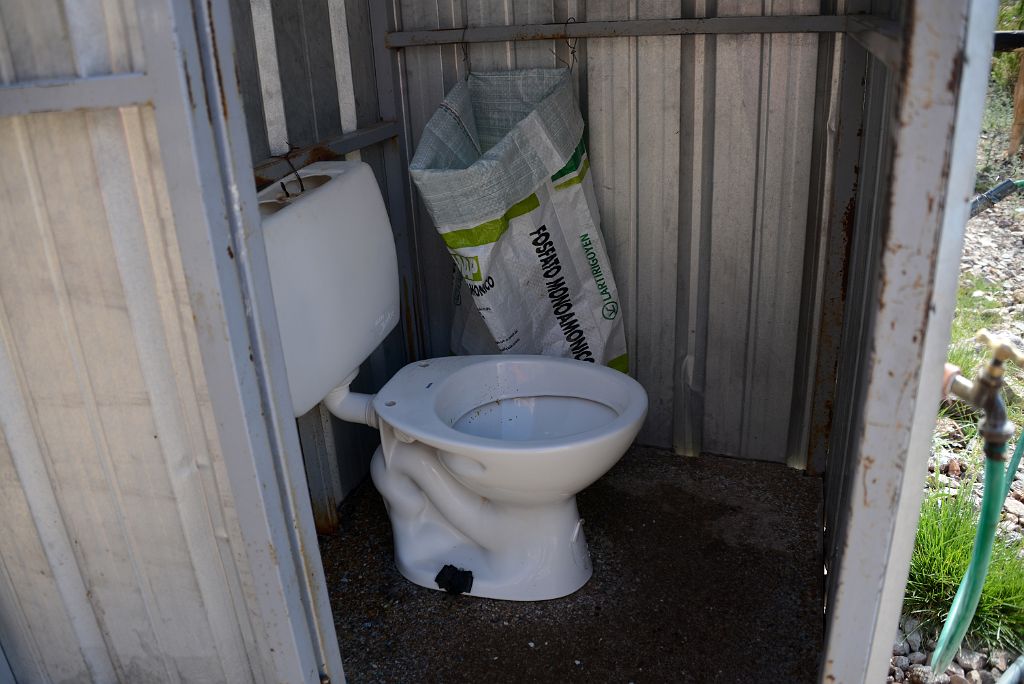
x=643, y=27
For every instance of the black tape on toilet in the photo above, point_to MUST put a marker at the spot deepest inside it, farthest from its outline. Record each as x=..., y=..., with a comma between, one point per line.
x=454, y=580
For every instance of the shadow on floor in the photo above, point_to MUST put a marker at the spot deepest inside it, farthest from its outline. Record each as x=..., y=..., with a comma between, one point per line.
x=705, y=570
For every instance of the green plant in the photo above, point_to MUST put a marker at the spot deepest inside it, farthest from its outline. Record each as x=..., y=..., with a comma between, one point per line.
x=993, y=166
x=942, y=550
x=976, y=308
x=1005, y=65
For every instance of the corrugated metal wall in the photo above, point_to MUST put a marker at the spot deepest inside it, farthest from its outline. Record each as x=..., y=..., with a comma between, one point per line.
x=117, y=525
x=701, y=151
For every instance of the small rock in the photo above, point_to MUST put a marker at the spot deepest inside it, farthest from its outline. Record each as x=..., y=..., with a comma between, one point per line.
x=912, y=628
x=917, y=658
x=1014, y=507
x=955, y=669
x=919, y=674
x=940, y=679
x=1000, y=658
x=958, y=679
x=899, y=646
x=953, y=468
x=980, y=677
x=950, y=431
x=971, y=660
x=900, y=662
x=897, y=675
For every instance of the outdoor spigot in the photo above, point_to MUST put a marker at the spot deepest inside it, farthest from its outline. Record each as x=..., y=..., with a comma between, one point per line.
x=984, y=392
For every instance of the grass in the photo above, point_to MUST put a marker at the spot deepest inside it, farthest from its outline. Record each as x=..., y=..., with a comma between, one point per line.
x=942, y=550
x=945, y=533
x=993, y=166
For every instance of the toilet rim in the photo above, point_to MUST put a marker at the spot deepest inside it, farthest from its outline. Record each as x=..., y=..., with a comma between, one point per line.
x=423, y=423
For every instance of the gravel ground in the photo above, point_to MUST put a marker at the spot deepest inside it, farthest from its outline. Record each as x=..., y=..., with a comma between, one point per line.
x=705, y=570
x=994, y=250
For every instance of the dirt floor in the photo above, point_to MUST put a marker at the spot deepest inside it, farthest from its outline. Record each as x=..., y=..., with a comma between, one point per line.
x=705, y=570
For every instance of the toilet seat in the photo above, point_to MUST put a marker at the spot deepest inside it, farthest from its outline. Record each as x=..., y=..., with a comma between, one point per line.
x=426, y=399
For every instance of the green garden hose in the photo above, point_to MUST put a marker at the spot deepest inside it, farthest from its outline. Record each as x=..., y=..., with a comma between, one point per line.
x=969, y=593
x=984, y=393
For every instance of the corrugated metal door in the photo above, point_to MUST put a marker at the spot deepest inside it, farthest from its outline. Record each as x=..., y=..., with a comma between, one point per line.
x=153, y=526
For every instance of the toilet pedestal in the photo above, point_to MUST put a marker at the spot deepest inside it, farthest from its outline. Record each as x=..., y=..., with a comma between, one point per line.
x=518, y=553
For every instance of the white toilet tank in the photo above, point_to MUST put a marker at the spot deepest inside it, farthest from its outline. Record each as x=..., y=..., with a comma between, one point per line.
x=333, y=271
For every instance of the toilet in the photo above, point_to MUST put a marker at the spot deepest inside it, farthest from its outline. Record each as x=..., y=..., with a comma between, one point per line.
x=481, y=457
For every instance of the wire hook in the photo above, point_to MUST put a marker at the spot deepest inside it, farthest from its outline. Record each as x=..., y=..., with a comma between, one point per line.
x=571, y=44
x=287, y=158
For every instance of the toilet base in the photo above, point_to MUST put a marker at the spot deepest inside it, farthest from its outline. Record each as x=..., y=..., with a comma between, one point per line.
x=516, y=553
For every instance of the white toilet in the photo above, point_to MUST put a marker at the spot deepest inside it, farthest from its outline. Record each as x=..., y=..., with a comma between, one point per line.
x=481, y=457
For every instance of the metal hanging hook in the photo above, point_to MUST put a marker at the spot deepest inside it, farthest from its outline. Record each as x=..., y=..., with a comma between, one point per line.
x=571, y=44
x=465, y=53
x=287, y=158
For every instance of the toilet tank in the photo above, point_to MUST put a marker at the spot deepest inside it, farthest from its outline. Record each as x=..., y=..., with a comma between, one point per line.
x=333, y=271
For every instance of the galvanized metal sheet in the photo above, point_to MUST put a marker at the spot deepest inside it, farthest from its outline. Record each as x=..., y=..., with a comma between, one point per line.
x=700, y=150
x=101, y=386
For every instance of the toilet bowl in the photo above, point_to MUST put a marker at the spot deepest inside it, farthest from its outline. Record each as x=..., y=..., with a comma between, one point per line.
x=481, y=457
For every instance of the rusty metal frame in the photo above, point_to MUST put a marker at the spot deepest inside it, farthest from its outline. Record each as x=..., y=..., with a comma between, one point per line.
x=276, y=168
x=898, y=323
x=644, y=27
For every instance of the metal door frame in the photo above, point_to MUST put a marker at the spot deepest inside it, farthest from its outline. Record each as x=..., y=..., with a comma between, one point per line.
x=190, y=80
x=915, y=245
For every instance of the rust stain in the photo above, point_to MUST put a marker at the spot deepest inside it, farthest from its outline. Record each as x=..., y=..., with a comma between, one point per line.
x=273, y=552
x=262, y=181
x=325, y=519
x=953, y=85
x=231, y=252
x=216, y=59
x=188, y=85
x=868, y=463
x=320, y=153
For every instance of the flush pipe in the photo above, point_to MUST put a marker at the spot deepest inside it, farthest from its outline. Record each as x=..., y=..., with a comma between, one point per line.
x=996, y=431
x=351, y=407
x=466, y=512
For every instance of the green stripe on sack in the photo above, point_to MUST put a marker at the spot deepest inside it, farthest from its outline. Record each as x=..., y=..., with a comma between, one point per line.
x=578, y=178
x=620, y=363
x=574, y=160
x=490, y=231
